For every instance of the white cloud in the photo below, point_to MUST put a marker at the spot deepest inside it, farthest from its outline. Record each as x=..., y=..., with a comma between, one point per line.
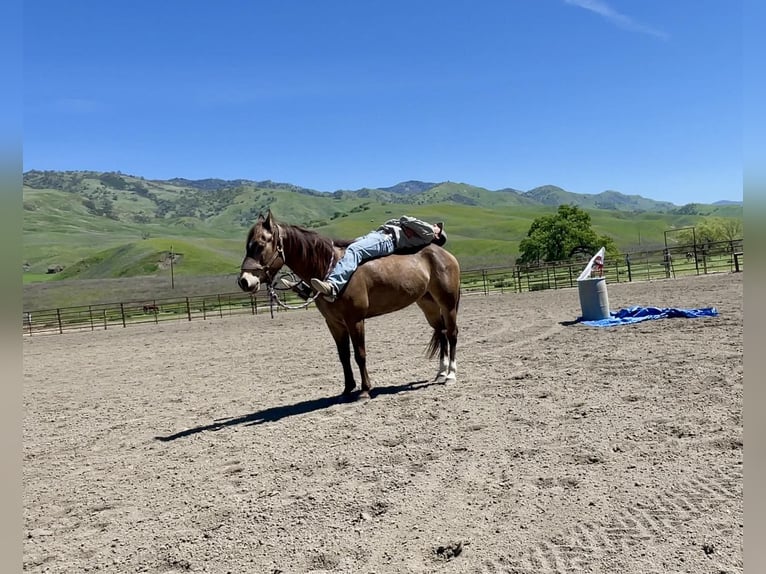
x=603, y=9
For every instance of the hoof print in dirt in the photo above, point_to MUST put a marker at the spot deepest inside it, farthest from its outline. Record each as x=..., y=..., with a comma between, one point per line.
x=450, y=551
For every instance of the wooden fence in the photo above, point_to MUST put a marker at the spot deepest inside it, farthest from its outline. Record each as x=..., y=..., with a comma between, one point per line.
x=637, y=266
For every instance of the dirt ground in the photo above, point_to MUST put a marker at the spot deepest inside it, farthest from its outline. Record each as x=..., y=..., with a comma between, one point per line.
x=221, y=446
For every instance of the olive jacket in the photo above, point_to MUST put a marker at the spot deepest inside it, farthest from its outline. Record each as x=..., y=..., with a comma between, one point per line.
x=408, y=232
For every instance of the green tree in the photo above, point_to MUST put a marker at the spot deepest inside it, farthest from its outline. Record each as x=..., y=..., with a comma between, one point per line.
x=561, y=236
x=712, y=230
x=732, y=229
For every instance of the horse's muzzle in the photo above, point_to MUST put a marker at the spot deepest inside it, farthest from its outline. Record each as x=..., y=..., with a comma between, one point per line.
x=248, y=282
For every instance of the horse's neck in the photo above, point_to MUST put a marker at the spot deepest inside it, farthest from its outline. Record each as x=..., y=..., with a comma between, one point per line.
x=306, y=265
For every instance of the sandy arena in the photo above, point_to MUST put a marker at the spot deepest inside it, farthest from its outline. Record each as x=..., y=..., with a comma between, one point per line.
x=221, y=446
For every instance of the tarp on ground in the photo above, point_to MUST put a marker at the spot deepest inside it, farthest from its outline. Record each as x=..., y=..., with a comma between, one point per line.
x=637, y=314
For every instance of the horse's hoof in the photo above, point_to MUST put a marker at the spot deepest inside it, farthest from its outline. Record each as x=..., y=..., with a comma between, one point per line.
x=440, y=379
x=364, y=396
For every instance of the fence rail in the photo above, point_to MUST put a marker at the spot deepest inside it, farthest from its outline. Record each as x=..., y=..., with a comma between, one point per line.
x=669, y=263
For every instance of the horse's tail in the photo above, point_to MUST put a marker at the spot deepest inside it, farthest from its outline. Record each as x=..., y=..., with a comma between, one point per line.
x=436, y=342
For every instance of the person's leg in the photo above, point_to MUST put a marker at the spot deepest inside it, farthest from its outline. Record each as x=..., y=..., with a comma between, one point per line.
x=374, y=244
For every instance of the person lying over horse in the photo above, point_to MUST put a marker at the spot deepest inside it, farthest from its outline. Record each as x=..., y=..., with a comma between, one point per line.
x=403, y=235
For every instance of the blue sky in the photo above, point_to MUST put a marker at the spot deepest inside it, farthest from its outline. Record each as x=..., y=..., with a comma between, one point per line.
x=642, y=97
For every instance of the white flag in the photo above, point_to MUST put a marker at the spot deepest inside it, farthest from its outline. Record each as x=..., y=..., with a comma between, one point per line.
x=596, y=264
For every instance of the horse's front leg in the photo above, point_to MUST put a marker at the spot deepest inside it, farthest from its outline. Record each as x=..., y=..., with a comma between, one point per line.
x=341, y=336
x=360, y=354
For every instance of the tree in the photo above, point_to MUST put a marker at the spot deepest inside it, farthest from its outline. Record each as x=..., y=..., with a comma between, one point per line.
x=732, y=229
x=712, y=230
x=561, y=236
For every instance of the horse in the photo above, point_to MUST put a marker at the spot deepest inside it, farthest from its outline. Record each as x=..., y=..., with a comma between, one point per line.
x=429, y=277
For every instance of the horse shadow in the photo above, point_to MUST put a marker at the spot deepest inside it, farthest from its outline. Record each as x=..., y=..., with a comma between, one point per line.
x=274, y=414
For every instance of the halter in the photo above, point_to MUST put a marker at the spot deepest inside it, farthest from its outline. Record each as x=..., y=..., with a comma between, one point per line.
x=280, y=252
x=273, y=296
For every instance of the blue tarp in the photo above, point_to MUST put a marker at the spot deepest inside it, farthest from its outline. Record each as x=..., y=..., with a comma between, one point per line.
x=638, y=314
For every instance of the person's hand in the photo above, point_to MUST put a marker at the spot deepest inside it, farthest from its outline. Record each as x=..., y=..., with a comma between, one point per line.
x=439, y=236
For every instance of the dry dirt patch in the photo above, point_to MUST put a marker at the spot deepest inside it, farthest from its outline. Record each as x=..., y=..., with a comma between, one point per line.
x=220, y=446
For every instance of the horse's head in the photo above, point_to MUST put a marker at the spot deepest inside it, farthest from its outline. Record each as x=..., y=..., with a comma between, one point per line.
x=264, y=255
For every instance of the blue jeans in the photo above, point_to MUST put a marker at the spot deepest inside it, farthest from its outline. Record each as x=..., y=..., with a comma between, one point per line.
x=374, y=244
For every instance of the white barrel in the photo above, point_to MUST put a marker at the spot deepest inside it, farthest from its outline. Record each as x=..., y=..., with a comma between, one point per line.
x=594, y=300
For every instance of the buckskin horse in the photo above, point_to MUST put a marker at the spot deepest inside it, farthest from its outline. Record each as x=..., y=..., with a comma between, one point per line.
x=429, y=277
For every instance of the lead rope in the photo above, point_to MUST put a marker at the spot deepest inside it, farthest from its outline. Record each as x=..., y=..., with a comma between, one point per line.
x=280, y=252
x=273, y=296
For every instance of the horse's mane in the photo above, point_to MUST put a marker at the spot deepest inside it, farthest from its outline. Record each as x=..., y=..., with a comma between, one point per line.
x=316, y=248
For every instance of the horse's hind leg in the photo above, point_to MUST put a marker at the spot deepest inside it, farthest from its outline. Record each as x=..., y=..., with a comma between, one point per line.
x=450, y=326
x=439, y=339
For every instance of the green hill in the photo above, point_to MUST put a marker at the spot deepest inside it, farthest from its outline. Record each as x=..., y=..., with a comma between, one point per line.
x=112, y=225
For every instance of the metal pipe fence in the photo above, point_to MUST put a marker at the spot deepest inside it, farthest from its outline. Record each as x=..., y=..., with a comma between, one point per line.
x=677, y=261
x=110, y=315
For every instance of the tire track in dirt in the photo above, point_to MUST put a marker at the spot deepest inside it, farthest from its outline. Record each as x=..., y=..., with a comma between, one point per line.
x=650, y=521
x=523, y=334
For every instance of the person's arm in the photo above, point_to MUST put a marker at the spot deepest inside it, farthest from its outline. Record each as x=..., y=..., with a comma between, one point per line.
x=412, y=226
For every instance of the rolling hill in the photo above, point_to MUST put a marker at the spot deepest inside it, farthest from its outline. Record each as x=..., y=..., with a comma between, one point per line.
x=101, y=225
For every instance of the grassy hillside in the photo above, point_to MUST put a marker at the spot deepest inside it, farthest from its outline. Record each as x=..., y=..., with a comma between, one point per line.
x=113, y=225
x=75, y=292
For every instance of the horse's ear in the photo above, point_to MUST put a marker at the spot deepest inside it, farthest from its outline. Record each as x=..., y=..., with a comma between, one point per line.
x=268, y=220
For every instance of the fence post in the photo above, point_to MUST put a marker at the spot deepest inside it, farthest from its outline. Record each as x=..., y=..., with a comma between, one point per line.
x=220, y=311
x=484, y=279
x=204, y=313
x=122, y=312
x=571, y=283
x=696, y=259
x=188, y=309
x=104, y=310
x=648, y=271
x=58, y=316
x=627, y=262
x=90, y=314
